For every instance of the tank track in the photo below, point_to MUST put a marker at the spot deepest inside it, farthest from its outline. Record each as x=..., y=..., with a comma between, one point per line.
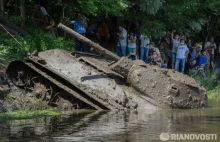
x=49, y=76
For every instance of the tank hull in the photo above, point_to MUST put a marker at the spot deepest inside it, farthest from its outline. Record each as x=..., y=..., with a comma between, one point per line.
x=94, y=81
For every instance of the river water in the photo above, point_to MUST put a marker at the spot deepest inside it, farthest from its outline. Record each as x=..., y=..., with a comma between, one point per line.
x=130, y=126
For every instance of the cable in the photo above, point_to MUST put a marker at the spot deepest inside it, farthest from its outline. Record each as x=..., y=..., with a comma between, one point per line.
x=11, y=35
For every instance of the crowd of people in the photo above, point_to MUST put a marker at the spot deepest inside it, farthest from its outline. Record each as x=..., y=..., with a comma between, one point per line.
x=169, y=51
x=173, y=52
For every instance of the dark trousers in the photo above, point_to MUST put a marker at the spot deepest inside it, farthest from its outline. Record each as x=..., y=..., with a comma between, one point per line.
x=80, y=46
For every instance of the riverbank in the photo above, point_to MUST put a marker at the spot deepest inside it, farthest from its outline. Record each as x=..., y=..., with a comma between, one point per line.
x=27, y=114
x=13, y=98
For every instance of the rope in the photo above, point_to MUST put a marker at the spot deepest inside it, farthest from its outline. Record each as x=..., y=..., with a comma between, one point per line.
x=11, y=35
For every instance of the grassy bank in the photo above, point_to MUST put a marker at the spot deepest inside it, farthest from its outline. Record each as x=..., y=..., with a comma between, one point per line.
x=27, y=114
x=211, y=84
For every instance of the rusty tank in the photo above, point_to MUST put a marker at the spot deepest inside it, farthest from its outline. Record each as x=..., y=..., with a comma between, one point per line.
x=103, y=81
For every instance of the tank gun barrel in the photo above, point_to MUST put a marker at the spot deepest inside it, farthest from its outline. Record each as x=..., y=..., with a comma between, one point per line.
x=94, y=45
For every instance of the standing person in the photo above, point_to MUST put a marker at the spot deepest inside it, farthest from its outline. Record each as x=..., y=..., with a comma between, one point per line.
x=175, y=42
x=165, y=51
x=40, y=5
x=212, y=48
x=181, y=55
x=145, y=41
x=137, y=34
x=217, y=51
x=217, y=65
x=103, y=33
x=193, y=50
x=80, y=25
x=132, y=43
x=208, y=52
x=121, y=43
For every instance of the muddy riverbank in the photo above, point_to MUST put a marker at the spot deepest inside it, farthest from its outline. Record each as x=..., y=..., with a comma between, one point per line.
x=13, y=98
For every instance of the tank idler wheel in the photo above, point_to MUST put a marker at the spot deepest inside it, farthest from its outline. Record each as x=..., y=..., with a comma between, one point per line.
x=19, y=79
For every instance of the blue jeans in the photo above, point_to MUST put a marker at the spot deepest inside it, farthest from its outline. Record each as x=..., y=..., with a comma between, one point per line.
x=144, y=54
x=217, y=70
x=121, y=51
x=173, y=56
x=163, y=65
x=131, y=50
x=80, y=46
x=182, y=62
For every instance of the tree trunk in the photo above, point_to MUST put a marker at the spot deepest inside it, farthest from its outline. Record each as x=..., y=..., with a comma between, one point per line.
x=96, y=46
x=6, y=21
x=2, y=5
x=22, y=10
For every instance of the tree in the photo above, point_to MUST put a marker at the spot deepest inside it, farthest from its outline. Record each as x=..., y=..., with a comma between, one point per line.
x=22, y=10
x=2, y=5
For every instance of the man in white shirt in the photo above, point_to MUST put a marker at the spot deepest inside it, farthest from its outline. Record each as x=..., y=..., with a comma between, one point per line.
x=122, y=42
x=145, y=41
x=181, y=54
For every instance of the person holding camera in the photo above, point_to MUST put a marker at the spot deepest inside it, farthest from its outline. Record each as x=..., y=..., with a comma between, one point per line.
x=80, y=25
x=145, y=41
x=132, y=44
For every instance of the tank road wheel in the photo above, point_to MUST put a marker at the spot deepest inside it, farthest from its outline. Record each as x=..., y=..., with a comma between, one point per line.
x=40, y=88
x=24, y=77
x=34, y=80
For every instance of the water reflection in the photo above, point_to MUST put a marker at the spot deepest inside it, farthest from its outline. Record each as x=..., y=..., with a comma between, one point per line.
x=128, y=126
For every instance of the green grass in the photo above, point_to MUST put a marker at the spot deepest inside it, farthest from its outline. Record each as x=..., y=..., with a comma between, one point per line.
x=28, y=114
x=211, y=84
x=214, y=93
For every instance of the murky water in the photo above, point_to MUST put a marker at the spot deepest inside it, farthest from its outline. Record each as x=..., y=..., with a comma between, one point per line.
x=144, y=126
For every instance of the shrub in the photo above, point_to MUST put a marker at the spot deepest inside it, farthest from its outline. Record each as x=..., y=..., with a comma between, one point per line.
x=35, y=40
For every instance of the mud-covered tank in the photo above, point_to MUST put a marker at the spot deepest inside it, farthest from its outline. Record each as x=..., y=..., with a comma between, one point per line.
x=85, y=80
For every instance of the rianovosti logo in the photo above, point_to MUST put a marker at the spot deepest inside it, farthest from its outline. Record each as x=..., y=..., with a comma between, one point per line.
x=196, y=137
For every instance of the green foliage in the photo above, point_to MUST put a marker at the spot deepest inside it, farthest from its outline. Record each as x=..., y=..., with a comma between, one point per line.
x=150, y=6
x=34, y=40
x=150, y=27
x=17, y=19
x=211, y=84
x=214, y=93
x=208, y=83
x=27, y=114
x=98, y=7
